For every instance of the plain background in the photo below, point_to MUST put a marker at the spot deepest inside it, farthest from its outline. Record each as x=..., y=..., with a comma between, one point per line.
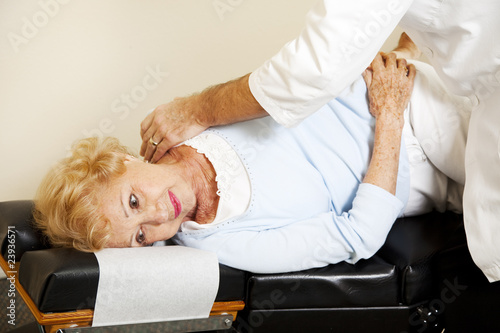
x=71, y=69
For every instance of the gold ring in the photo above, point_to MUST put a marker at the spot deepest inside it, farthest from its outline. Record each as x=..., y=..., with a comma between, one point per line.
x=153, y=142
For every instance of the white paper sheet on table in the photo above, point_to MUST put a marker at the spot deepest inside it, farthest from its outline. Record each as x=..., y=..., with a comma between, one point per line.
x=151, y=284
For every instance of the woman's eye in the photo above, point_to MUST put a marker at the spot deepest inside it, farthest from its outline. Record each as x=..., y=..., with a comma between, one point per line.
x=141, y=238
x=133, y=202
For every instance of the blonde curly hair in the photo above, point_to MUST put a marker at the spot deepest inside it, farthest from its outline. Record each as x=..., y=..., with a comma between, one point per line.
x=67, y=205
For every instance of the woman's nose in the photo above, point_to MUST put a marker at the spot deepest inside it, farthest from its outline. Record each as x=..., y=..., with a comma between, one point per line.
x=158, y=213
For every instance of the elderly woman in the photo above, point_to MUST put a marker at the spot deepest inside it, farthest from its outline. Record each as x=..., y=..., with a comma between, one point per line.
x=263, y=197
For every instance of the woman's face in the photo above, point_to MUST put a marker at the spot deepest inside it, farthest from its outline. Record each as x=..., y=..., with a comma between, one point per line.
x=147, y=203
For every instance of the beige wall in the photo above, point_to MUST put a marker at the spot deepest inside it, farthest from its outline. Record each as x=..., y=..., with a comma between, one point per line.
x=70, y=69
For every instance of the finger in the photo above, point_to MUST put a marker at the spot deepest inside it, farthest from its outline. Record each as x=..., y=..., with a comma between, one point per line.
x=401, y=63
x=390, y=60
x=402, y=66
x=150, y=149
x=412, y=72
x=142, y=152
x=368, y=76
x=145, y=128
x=161, y=149
x=378, y=62
x=154, y=132
x=144, y=146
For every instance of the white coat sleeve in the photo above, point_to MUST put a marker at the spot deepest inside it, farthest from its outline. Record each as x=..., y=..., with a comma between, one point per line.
x=339, y=41
x=317, y=242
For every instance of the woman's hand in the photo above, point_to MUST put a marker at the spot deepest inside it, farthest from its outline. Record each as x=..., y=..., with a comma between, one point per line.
x=390, y=83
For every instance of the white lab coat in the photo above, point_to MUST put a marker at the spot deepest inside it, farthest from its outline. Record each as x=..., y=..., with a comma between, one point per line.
x=461, y=38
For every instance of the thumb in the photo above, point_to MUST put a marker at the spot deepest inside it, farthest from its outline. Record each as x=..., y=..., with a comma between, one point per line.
x=367, y=76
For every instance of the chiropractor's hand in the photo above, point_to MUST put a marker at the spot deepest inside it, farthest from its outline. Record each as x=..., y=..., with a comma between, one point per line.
x=390, y=84
x=185, y=117
x=170, y=124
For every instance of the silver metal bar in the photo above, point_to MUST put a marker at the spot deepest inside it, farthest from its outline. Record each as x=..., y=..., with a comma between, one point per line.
x=222, y=322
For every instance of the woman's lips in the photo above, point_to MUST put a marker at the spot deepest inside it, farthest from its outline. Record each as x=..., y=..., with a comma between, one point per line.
x=175, y=203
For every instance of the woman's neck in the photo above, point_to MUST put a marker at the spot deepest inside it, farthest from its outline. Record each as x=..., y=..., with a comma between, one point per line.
x=200, y=173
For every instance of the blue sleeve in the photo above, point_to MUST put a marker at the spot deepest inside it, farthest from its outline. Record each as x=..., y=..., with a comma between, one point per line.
x=316, y=242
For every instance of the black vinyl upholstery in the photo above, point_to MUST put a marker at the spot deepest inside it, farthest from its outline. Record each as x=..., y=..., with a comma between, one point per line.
x=422, y=280
x=371, y=282
x=59, y=279
x=18, y=217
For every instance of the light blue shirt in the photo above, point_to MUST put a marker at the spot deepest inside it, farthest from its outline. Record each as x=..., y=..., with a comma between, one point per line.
x=308, y=206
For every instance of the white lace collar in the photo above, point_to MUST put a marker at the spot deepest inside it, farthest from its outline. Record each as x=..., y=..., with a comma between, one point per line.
x=233, y=184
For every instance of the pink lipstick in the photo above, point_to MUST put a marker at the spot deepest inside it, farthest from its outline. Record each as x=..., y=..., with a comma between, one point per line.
x=175, y=203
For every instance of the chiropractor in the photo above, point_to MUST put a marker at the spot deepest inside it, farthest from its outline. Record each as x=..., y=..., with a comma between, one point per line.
x=460, y=38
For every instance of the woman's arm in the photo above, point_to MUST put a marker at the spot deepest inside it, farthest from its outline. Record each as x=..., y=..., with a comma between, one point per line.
x=390, y=83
